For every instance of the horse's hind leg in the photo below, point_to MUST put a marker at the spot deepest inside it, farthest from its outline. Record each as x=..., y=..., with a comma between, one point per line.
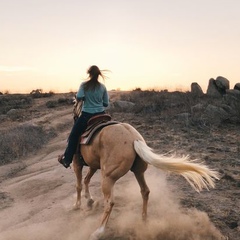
x=107, y=189
x=87, y=179
x=78, y=172
x=144, y=191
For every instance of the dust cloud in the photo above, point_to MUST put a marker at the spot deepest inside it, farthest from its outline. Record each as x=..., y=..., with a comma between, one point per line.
x=167, y=219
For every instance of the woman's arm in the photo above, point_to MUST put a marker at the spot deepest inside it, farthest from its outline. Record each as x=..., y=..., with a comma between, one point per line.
x=80, y=94
x=105, y=98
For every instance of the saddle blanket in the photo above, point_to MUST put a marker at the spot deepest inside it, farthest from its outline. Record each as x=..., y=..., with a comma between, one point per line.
x=95, y=124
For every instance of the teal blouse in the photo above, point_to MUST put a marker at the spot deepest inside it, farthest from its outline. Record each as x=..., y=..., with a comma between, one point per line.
x=94, y=101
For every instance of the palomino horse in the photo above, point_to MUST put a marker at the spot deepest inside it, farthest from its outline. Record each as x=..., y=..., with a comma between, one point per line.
x=118, y=148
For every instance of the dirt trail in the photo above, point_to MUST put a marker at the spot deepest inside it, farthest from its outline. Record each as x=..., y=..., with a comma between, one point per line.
x=37, y=195
x=43, y=193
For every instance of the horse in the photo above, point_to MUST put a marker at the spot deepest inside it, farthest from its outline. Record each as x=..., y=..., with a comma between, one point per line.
x=118, y=148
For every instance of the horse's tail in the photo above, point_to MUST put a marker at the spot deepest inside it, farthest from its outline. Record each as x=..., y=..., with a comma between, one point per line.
x=198, y=175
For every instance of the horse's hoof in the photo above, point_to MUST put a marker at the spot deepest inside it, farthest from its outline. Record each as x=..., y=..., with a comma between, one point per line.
x=75, y=207
x=97, y=234
x=90, y=203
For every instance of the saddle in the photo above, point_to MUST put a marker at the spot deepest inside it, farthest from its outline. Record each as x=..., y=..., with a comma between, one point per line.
x=95, y=124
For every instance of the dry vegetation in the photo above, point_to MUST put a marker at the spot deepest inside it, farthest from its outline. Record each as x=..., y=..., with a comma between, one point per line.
x=163, y=119
x=19, y=136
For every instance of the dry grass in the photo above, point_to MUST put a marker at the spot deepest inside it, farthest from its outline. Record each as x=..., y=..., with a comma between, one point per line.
x=170, y=105
x=22, y=140
x=14, y=101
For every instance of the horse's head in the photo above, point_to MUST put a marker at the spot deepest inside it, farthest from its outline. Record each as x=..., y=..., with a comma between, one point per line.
x=77, y=108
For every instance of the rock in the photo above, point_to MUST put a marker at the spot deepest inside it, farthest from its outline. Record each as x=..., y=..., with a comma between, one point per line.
x=196, y=90
x=232, y=100
x=228, y=109
x=222, y=83
x=218, y=87
x=215, y=115
x=233, y=94
x=197, y=108
x=237, y=86
x=212, y=89
x=123, y=105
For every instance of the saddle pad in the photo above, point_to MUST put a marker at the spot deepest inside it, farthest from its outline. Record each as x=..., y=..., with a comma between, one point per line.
x=87, y=136
x=99, y=118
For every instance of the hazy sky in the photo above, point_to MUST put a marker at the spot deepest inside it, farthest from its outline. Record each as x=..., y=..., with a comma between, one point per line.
x=49, y=44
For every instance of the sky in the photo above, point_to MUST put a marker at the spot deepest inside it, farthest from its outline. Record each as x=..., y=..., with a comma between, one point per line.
x=150, y=44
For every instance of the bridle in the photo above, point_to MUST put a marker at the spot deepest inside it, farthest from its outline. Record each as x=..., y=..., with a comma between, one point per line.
x=77, y=108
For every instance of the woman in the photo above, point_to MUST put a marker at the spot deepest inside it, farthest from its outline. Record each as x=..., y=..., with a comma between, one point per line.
x=95, y=98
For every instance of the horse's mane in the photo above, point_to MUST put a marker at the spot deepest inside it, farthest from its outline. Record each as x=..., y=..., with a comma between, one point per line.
x=77, y=108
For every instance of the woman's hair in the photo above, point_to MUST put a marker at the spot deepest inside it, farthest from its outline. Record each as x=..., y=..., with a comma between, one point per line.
x=93, y=74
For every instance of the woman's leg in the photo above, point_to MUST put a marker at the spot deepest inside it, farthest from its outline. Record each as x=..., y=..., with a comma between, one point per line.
x=78, y=128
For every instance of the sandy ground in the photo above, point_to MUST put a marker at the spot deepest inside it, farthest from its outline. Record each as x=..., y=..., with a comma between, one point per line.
x=37, y=195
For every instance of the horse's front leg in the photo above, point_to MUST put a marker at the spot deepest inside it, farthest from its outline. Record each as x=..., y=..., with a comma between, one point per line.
x=107, y=189
x=87, y=179
x=78, y=171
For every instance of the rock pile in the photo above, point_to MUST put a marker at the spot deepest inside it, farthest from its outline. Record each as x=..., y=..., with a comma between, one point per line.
x=223, y=104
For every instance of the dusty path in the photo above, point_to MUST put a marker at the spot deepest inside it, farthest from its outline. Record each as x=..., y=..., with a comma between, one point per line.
x=37, y=195
x=41, y=196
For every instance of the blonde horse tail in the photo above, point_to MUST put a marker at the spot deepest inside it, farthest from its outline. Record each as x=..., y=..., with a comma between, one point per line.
x=198, y=175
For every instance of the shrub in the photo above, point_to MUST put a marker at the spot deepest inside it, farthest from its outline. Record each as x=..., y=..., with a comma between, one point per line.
x=51, y=104
x=149, y=101
x=38, y=93
x=21, y=140
x=65, y=101
x=14, y=101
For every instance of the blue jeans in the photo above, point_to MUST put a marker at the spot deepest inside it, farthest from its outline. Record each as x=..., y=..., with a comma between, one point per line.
x=78, y=128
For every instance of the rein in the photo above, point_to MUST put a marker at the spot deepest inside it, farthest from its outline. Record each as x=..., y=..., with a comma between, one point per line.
x=77, y=108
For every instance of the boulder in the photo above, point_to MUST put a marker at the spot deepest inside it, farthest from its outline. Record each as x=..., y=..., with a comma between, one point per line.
x=215, y=115
x=196, y=90
x=123, y=105
x=222, y=84
x=212, y=89
x=233, y=92
x=228, y=109
x=232, y=99
x=237, y=86
x=197, y=108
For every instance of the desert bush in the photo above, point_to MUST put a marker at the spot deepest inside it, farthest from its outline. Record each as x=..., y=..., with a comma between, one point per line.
x=22, y=140
x=59, y=102
x=51, y=104
x=65, y=101
x=38, y=93
x=151, y=101
x=14, y=101
x=146, y=101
